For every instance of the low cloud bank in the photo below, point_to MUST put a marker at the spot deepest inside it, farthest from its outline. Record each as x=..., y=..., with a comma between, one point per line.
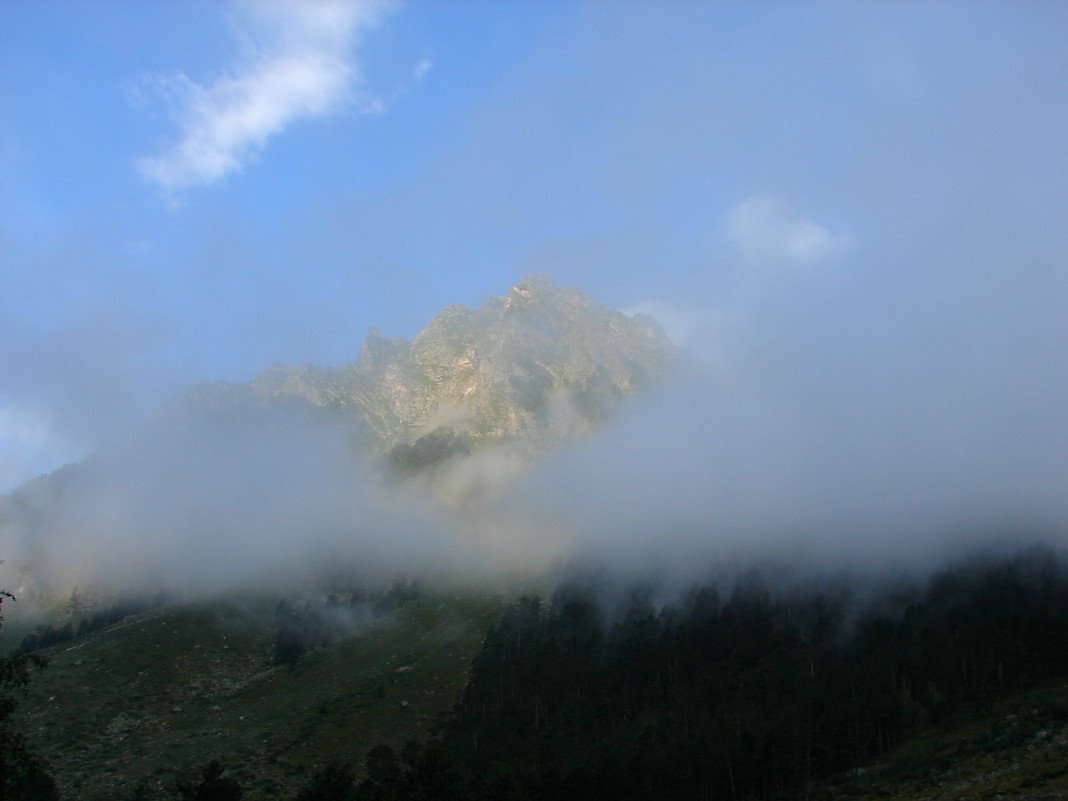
x=204, y=503
x=836, y=419
x=814, y=429
x=701, y=474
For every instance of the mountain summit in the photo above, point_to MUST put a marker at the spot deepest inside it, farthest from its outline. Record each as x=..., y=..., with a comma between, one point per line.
x=540, y=364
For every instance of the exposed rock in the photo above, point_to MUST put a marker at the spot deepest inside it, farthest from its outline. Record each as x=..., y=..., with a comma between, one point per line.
x=540, y=365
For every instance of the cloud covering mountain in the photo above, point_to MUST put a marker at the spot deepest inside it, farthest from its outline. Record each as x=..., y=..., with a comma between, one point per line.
x=850, y=217
x=504, y=438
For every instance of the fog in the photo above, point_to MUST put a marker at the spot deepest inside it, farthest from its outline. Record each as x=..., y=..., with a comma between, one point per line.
x=193, y=503
x=850, y=217
x=789, y=428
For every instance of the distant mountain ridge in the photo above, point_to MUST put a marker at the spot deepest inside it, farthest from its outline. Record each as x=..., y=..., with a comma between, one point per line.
x=540, y=364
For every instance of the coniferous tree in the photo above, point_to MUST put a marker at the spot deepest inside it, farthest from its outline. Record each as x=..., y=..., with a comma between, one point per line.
x=23, y=775
x=214, y=785
x=332, y=782
x=766, y=694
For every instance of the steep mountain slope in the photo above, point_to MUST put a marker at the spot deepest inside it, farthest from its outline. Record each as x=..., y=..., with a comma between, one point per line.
x=541, y=364
x=161, y=693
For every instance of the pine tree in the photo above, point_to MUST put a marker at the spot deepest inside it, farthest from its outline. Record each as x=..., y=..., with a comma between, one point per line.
x=23, y=776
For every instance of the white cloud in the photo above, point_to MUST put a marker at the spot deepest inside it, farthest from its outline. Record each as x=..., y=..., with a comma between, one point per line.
x=296, y=61
x=422, y=68
x=763, y=228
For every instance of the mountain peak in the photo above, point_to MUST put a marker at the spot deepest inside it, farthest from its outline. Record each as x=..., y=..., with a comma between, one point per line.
x=377, y=348
x=542, y=376
x=535, y=284
x=531, y=291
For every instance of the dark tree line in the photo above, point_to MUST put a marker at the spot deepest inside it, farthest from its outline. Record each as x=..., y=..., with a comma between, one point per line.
x=23, y=775
x=214, y=785
x=757, y=694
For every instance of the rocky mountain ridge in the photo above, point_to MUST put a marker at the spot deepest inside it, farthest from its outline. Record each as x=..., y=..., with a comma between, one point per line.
x=541, y=364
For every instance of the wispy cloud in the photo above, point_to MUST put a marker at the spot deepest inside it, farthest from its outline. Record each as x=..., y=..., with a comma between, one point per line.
x=422, y=68
x=764, y=228
x=296, y=61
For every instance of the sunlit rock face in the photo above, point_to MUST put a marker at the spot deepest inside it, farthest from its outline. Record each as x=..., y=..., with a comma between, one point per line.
x=539, y=366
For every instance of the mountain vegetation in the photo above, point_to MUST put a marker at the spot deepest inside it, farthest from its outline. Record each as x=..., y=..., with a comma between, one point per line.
x=23, y=775
x=759, y=693
x=751, y=688
x=142, y=704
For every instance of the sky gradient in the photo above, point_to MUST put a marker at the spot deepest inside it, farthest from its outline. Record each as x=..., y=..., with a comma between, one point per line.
x=864, y=203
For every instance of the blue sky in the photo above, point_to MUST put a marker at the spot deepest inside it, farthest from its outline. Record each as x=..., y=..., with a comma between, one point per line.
x=192, y=191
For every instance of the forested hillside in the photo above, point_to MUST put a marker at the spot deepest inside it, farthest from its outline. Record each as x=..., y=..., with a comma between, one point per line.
x=753, y=688
x=753, y=693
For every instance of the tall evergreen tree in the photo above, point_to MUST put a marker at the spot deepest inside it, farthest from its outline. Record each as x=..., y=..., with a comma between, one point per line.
x=23, y=775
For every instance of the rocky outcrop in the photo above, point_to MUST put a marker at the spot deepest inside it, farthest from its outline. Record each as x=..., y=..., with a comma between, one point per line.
x=540, y=364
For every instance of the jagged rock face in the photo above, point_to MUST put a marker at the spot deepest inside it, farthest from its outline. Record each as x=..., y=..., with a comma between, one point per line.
x=540, y=364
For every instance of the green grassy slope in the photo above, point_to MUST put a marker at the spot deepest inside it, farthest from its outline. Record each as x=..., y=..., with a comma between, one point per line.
x=1015, y=748
x=163, y=692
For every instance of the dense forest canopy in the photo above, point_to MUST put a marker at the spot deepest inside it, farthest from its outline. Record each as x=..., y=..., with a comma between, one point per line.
x=760, y=692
